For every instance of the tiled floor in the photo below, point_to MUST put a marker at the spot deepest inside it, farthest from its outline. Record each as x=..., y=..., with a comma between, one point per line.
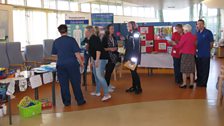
x=157, y=113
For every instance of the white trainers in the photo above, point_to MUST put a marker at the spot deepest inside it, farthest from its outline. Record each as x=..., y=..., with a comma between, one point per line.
x=110, y=90
x=95, y=94
x=107, y=97
x=112, y=86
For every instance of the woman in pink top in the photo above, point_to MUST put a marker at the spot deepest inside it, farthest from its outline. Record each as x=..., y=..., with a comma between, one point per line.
x=187, y=47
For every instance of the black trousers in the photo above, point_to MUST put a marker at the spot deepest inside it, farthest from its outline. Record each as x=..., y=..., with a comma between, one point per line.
x=86, y=63
x=135, y=79
x=177, y=73
x=109, y=70
x=203, y=66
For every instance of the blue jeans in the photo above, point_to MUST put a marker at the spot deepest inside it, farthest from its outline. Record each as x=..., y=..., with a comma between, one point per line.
x=99, y=76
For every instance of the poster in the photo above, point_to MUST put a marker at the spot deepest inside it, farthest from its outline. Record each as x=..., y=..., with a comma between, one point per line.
x=76, y=29
x=102, y=19
x=162, y=32
x=144, y=30
x=35, y=81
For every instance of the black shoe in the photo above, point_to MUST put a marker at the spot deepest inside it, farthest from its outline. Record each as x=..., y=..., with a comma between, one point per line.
x=138, y=91
x=191, y=86
x=84, y=102
x=183, y=86
x=131, y=89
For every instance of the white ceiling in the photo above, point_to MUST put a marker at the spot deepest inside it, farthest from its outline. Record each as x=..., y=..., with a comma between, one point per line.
x=214, y=3
x=166, y=4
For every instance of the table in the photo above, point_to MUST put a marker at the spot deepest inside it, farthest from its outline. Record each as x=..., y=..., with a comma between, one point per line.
x=36, y=94
x=158, y=60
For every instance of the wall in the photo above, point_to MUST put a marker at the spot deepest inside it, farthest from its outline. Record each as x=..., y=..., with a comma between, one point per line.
x=9, y=9
x=117, y=19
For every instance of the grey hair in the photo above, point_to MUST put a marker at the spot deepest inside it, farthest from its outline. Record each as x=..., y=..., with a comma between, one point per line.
x=187, y=28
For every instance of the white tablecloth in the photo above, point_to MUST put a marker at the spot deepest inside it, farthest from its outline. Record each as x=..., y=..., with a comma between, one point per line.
x=159, y=60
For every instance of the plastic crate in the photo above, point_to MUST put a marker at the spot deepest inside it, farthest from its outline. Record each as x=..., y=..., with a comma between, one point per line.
x=30, y=111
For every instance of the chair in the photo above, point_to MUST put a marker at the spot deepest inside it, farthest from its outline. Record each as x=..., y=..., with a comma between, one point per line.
x=14, y=54
x=220, y=99
x=34, y=54
x=4, y=61
x=48, y=44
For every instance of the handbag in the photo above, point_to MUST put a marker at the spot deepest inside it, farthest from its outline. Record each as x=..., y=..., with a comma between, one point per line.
x=130, y=65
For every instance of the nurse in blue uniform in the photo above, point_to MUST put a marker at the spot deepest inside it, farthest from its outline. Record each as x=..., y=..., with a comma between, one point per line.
x=68, y=66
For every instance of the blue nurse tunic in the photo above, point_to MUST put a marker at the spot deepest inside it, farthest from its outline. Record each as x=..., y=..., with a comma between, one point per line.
x=68, y=68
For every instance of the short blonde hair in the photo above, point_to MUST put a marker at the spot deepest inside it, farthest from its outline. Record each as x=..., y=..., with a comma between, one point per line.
x=187, y=28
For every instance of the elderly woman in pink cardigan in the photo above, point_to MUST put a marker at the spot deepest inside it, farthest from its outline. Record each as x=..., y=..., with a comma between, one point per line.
x=187, y=47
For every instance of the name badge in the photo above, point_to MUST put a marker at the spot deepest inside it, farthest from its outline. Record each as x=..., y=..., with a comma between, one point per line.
x=174, y=51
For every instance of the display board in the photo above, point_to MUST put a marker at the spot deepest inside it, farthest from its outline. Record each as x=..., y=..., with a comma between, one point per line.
x=147, y=41
x=76, y=29
x=102, y=19
x=155, y=35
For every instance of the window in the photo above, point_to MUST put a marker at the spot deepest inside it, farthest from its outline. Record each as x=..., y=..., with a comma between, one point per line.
x=16, y=2
x=204, y=10
x=212, y=12
x=141, y=12
x=211, y=24
x=51, y=4
x=127, y=11
x=20, y=27
x=60, y=20
x=196, y=12
x=104, y=9
x=34, y=3
x=2, y=1
x=95, y=8
x=74, y=6
x=85, y=7
x=150, y=12
x=113, y=9
x=172, y=15
x=52, y=25
x=134, y=11
x=37, y=27
x=63, y=5
x=119, y=10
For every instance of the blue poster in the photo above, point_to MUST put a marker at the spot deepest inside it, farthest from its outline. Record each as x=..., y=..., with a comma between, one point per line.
x=102, y=19
x=76, y=29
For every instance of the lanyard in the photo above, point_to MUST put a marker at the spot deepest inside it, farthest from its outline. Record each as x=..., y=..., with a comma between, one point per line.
x=112, y=40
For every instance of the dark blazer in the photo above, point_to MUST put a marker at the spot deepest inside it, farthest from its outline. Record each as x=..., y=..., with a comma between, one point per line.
x=133, y=47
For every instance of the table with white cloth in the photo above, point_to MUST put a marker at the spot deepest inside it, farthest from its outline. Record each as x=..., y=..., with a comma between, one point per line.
x=156, y=60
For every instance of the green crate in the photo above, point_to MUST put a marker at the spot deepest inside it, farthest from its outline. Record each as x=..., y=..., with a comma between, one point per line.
x=30, y=111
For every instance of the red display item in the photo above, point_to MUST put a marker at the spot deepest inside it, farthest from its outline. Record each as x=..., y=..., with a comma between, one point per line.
x=143, y=43
x=148, y=31
x=161, y=46
x=46, y=104
x=149, y=49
